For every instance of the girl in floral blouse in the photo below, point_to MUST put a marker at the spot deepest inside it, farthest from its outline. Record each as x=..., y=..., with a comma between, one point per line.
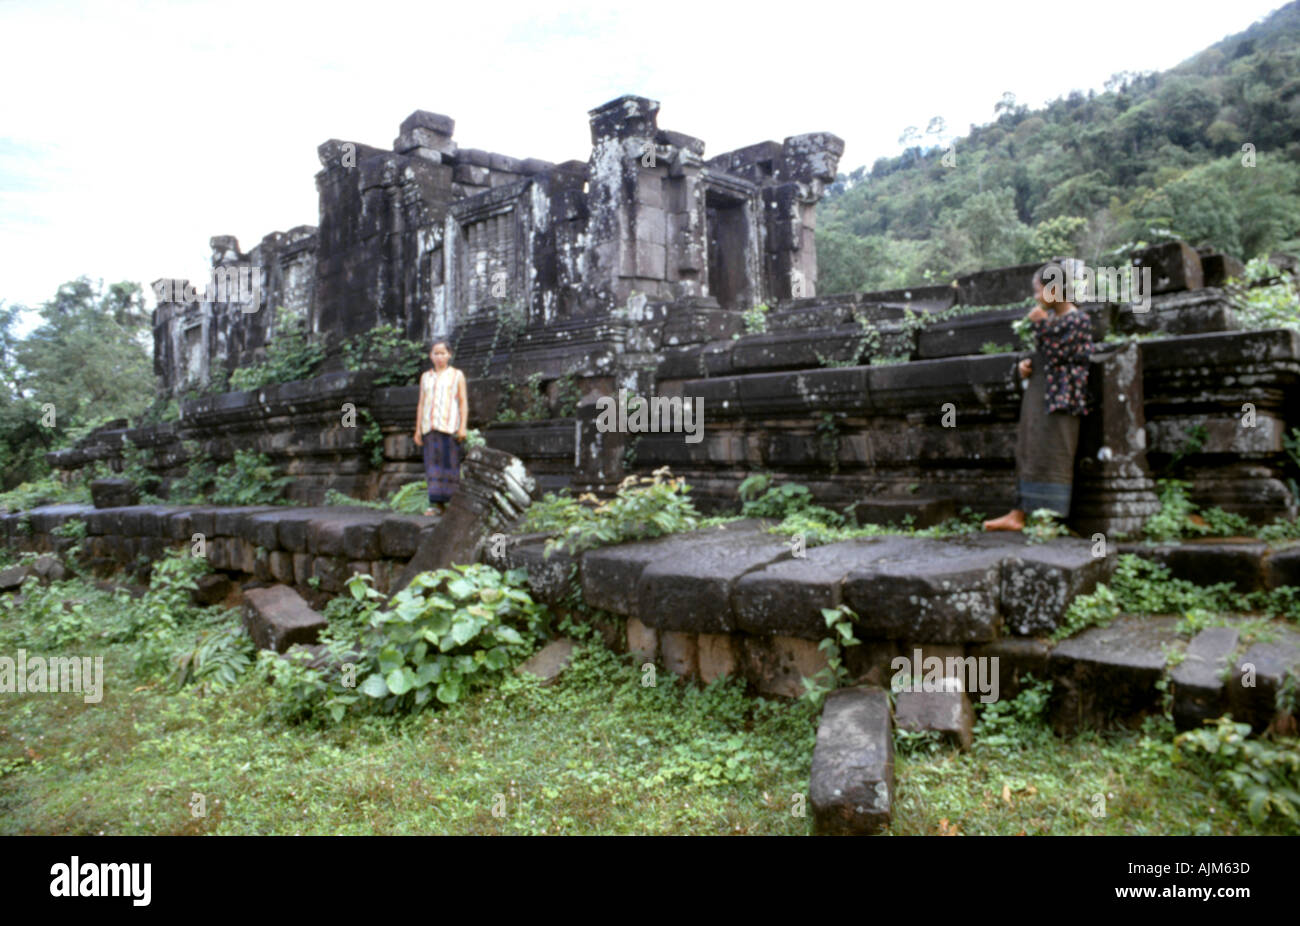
x=1057, y=396
x=440, y=421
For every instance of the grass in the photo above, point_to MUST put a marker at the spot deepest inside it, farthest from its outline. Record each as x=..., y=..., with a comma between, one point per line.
x=598, y=752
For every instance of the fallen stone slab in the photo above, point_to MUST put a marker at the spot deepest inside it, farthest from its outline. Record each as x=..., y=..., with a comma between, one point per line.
x=1107, y=674
x=276, y=617
x=550, y=661
x=212, y=588
x=947, y=712
x=48, y=568
x=1200, y=689
x=851, y=784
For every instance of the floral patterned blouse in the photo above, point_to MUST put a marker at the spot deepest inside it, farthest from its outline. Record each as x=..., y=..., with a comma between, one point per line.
x=1065, y=342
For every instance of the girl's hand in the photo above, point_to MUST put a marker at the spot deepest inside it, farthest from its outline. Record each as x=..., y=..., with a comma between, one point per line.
x=419, y=441
x=461, y=434
x=1036, y=314
x=1025, y=367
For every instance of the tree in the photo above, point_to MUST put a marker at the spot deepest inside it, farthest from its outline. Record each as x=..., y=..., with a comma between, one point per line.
x=87, y=360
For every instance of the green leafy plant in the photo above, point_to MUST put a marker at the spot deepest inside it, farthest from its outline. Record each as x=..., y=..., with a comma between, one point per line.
x=447, y=632
x=644, y=507
x=1043, y=525
x=248, y=479
x=755, y=319
x=839, y=621
x=1262, y=775
x=220, y=652
x=993, y=347
x=395, y=360
x=761, y=499
x=291, y=355
x=372, y=438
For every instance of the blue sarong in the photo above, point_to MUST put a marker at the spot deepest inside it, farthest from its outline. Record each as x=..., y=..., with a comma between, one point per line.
x=441, y=465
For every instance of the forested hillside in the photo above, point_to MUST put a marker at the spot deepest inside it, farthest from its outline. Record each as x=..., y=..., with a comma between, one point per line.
x=1153, y=156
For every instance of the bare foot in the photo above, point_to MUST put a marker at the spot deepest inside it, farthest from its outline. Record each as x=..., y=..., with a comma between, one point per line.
x=1012, y=521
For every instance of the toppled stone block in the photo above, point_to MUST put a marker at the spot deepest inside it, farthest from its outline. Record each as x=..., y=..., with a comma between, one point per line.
x=277, y=616
x=947, y=712
x=851, y=784
x=48, y=568
x=548, y=662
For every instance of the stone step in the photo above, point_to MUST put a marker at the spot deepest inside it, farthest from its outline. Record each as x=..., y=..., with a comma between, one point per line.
x=737, y=578
x=1110, y=673
x=1250, y=565
x=276, y=617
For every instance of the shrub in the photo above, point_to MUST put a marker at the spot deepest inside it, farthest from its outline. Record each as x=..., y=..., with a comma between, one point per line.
x=447, y=632
x=395, y=360
x=249, y=479
x=652, y=508
x=292, y=355
x=1262, y=775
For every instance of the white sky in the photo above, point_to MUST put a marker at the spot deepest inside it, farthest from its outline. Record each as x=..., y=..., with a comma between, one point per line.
x=131, y=132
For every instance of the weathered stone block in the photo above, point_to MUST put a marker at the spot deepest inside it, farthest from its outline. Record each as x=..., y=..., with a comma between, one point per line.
x=281, y=564
x=302, y=568
x=851, y=783
x=642, y=640
x=277, y=616
x=1108, y=674
x=717, y=656
x=1200, y=693
x=680, y=653
x=946, y=712
x=778, y=665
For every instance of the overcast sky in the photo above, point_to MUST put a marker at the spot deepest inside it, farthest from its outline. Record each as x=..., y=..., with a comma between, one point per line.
x=132, y=132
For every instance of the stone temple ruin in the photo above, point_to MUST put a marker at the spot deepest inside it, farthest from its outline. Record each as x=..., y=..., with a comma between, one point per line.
x=634, y=270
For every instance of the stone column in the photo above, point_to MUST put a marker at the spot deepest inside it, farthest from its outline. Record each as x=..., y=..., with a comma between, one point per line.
x=1113, y=489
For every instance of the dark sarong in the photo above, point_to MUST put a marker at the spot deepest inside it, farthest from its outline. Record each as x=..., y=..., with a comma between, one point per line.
x=441, y=465
x=1045, y=447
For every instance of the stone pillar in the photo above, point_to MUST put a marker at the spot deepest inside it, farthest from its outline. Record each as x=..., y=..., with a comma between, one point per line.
x=1113, y=489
